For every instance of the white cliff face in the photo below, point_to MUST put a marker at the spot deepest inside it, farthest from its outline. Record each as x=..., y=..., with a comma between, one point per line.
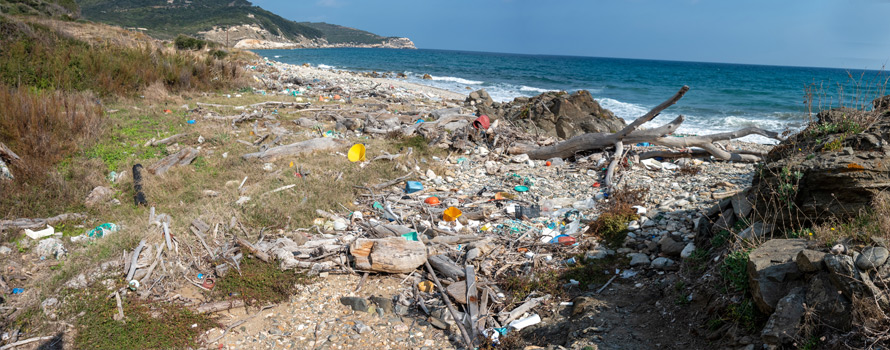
x=250, y=36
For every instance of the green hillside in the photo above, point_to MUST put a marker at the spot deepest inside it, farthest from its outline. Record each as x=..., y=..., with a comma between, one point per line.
x=165, y=19
x=51, y=8
x=335, y=34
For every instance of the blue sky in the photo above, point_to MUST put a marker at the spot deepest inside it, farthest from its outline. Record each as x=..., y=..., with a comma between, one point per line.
x=819, y=33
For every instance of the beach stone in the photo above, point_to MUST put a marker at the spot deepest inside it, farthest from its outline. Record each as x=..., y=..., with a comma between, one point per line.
x=559, y=114
x=772, y=271
x=669, y=246
x=599, y=253
x=356, y=303
x=638, y=259
x=782, y=325
x=479, y=98
x=4, y=250
x=757, y=230
x=810, y=260
x=79, y=282
x=98, y=196
x=872, y=258
x=384, y=304
x=427, y=77
x=662, y=263
x=687, y=251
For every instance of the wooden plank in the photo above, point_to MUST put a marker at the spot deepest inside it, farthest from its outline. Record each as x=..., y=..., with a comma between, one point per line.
x=472, y=298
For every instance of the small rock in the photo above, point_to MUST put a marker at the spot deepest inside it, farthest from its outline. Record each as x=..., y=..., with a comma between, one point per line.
x=356, y=303
x=49, y=306
x=361, y=327
x=638, y=259
x=522, y=158
x=601, y=253
x=438, y=323
x=582, y=305
x=662, y=263
x=810, y=260
x=384, y=304
x=210, y=193
x=492, y=167
x=872, y=258
x=5, y=250
x=79, y=282
x=687, y=251
x=269, y=167
x=242, y=200
x=400, y=328
x=430, y=174
x=670, y=247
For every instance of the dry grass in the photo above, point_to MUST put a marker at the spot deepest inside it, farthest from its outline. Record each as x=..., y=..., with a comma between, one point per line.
x=43, y=129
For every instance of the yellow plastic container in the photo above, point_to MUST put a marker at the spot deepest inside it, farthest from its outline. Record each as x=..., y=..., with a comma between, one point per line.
x=451, y=214
x=357, y=153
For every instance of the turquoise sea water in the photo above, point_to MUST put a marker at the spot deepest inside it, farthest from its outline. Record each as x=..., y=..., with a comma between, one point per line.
x=722, y=96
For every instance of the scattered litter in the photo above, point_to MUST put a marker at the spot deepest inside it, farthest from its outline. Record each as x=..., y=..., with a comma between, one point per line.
x=48, y=231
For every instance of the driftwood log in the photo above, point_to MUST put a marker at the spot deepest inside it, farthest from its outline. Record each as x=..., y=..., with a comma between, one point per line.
x=656, y=136
x=37, y=223
x=183, y=157
x=392, y=254
x=295, y=149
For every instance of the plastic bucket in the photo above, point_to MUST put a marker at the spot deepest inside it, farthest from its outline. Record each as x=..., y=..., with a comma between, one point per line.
x=451, y=214
x=482, y=122
x=357, y=153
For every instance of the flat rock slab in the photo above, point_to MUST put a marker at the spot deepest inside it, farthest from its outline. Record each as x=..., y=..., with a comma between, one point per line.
x=782, y=325
x=773, y=272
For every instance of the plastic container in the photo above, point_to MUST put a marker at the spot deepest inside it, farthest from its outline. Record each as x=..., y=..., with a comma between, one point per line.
x=482, y=122
x=451, y=214
x=525, y=322
x=521, y=188
x=356, y=153
x=564, y=240
x=413, y=186
x=17, y=291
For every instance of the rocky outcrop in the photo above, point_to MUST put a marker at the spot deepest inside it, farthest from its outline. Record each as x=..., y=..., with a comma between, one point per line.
x=785, y=277
x=252, y=36
x=831, y=169
x=556, y=114
x=772, y=271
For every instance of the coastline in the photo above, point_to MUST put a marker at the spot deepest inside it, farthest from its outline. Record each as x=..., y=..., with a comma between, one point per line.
x=354, y=81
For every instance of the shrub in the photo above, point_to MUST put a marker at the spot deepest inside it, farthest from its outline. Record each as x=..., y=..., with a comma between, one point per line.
x=183, y=42
x=611, y=225
x=734, y=270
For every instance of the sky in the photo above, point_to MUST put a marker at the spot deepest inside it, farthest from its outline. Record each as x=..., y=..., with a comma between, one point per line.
x=850, y=34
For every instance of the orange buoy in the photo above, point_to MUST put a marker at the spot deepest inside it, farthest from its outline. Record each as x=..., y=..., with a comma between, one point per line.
x=336, y=97
x=547, y=164
x=431, y=200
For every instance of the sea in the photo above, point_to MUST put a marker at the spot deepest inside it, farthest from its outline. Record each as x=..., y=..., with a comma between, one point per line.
x=722, y=97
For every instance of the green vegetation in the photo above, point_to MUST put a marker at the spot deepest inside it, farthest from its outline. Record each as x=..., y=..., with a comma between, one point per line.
x=611, y=225
x=258, y=282
x=147, y=325
x=166, y=21
x=734, y=270
x=542, y=280
x=183, y=42
x=43, y=59
x=66, y=9
x=335, y=34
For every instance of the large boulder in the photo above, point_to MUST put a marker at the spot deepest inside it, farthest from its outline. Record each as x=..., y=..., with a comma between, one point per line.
x=782, y=325
x=831, y=170
x=553, y=113
x=773, y=272
x=830, y=306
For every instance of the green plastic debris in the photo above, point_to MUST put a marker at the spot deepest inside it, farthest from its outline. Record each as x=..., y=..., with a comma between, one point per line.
x=411, y=236
x=102, y=230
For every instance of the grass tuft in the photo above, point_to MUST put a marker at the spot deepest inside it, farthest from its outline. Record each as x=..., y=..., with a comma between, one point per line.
x=259, y=282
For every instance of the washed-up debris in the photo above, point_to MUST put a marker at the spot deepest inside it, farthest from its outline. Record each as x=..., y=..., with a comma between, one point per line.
x=48, y=231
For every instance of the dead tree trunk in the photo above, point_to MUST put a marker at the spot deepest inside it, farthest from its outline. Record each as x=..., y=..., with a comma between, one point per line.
x=656, y=136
